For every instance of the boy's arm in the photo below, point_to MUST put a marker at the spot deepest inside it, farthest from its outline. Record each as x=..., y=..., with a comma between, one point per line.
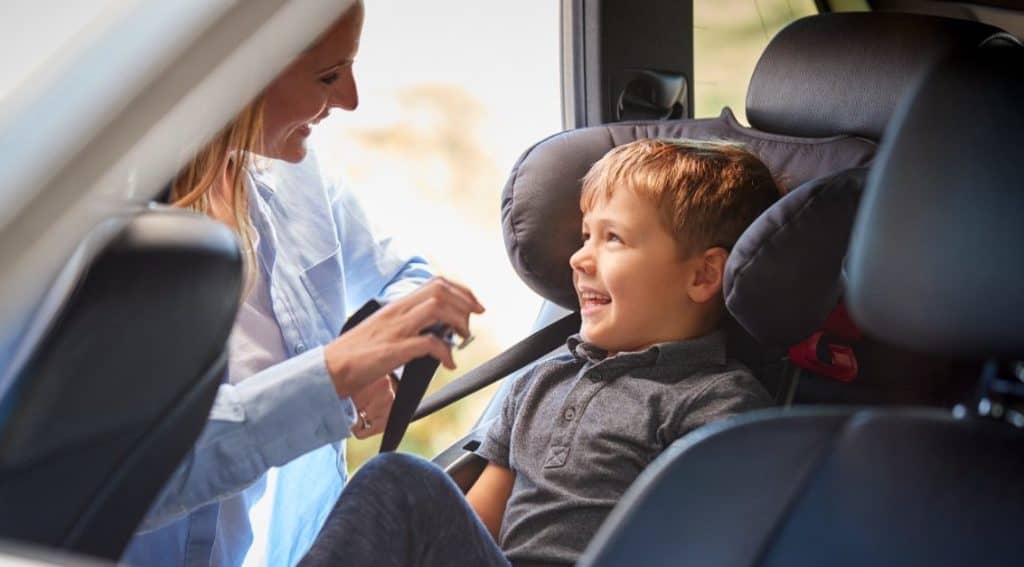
x=489, y=495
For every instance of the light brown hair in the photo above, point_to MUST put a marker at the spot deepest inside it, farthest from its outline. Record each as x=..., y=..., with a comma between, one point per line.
x=707, y=193
x=230, y=152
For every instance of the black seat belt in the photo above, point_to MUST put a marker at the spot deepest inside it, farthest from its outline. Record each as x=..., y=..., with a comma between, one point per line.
x=515, y=357
x=418, y=373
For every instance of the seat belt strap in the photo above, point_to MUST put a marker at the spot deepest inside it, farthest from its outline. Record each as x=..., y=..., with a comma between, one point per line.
x=418, y=373
x=517, y=356
x=416, y=378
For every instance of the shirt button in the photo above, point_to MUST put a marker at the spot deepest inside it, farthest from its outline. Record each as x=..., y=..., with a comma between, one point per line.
x=570, y=414
x=300, y=347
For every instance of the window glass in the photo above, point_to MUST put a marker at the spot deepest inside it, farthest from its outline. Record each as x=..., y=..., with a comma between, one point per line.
x=728, y=38
x=451, y=93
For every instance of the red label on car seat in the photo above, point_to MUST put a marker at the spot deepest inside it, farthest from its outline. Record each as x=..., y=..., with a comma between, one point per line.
x=827, y=352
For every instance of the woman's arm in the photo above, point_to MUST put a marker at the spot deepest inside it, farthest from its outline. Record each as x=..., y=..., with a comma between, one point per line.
x=267, y=420
x=489, y=495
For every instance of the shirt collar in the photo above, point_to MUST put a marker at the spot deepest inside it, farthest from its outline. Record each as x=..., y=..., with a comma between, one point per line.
x=262, y=179
x=674, y=359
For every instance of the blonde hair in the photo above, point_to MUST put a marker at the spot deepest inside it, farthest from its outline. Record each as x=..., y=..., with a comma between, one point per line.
x=707, y=193
x=230, y=152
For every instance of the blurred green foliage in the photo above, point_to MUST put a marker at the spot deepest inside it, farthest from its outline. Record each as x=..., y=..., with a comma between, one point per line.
x=729, y=36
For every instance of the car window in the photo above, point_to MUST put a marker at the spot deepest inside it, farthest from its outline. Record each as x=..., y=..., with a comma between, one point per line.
x=728, y=38
x=451, y=93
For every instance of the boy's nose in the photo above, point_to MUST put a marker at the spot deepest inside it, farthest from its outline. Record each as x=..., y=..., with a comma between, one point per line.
x=582, y=261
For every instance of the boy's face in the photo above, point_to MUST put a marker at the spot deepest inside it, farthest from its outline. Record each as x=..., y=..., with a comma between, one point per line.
x=632, y=281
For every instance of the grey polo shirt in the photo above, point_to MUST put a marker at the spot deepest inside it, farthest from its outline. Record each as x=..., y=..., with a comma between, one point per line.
x=579, y=428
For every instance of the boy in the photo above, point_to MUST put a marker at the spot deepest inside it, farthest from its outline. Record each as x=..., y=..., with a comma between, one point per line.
x=648, y=366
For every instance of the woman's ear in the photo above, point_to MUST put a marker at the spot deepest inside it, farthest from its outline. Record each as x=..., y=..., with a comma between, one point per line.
x=709, y=270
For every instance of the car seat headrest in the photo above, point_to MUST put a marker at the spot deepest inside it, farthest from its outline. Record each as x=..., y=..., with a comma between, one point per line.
x=784, y=275
x=540, y=203
x=936, y=256
x=846, y=72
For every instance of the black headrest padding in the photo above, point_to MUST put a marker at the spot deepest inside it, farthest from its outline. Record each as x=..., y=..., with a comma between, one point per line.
x=937, y=255
x=784, y=275
x=540, y=204
x=846, y=72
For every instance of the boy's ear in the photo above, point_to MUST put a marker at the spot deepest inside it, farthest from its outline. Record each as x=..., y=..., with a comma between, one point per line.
x=709, y=270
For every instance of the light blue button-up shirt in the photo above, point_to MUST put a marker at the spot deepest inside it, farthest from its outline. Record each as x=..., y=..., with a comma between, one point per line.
x=324, y=262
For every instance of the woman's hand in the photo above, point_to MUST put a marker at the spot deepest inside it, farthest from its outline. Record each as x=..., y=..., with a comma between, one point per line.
x=373, y=406
x=391, y=337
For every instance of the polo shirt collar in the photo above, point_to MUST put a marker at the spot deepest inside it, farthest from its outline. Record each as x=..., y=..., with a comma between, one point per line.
x=673, y=359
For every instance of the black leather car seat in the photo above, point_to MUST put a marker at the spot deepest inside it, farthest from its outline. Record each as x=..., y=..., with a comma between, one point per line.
x=119, y=382
x=935, y=265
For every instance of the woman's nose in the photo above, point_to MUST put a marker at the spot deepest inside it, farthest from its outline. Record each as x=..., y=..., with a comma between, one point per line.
x=346, y=95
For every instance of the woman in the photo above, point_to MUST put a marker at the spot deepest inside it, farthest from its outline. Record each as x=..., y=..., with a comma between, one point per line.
x=295, y=390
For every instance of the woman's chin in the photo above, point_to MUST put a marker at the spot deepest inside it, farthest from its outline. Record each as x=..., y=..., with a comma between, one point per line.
x=292, y=152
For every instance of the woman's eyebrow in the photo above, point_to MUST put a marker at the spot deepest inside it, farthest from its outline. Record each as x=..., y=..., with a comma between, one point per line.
x=335, y=66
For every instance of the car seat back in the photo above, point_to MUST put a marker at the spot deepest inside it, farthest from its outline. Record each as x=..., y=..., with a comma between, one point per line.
x=785, y=282
x=118, y=385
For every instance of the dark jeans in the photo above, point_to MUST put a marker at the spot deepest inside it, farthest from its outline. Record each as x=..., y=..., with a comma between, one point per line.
x=402, y=510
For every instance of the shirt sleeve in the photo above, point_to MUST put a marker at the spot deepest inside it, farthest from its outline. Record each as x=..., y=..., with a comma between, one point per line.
x=375, y=267
x=265, y=421
x=727, y=395
x=495, y=447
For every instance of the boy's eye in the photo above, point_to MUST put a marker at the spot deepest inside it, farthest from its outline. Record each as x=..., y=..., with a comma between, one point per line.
x=585, y=236
x=329, y=78
x=612, y=237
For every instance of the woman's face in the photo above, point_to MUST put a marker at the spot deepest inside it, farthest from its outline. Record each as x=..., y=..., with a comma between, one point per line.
x=318, y=80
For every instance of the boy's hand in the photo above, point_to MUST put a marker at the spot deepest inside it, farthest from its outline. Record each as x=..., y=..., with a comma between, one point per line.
x=373, y=406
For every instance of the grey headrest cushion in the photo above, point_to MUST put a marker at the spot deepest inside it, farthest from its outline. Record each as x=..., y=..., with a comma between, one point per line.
x=784, y=275
x=846, y=72
x=937, y=257
x=540, y=204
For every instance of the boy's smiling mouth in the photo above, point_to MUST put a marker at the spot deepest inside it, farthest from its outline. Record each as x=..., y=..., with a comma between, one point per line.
x=592, y=300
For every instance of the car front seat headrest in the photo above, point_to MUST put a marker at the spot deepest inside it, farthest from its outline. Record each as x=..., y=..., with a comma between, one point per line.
x=937, y=255
x=844, y=73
